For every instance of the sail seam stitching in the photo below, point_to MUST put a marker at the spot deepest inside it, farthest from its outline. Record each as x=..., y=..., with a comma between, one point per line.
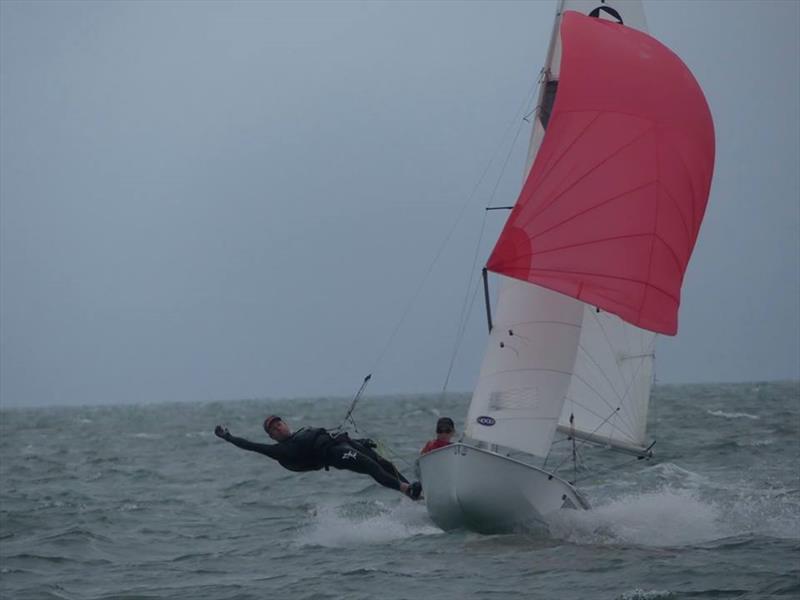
x=591, y=208
x=680, y=213
x=603, y=276
x=643, y=300
x=592, y=169
x=552, y=161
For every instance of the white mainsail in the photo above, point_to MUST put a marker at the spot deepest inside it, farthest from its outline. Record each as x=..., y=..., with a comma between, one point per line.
x=527, y=368
x=553, y=361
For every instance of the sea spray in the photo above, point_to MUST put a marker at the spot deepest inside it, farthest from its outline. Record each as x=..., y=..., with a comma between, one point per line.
x=356, y=524
x=666, y=518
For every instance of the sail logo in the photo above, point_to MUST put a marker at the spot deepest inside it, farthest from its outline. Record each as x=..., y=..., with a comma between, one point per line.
x=486, y=421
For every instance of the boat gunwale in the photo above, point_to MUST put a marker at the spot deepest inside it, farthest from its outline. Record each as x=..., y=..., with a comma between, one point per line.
x=508, y=458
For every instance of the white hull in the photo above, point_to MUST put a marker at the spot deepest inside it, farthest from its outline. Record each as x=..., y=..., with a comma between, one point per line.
x=471, y=488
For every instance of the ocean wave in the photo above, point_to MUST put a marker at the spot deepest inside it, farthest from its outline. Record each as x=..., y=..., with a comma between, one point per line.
x=74, y=534
x=766, y=511
x=198, y=519
x=341, y=525
x=369, y=572
x=735, y=415
x=761, y=443
x=639, y=594
x=674, y=476
x=25, y=556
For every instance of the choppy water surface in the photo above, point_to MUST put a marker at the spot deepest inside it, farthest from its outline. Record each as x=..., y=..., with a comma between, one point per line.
x=144, y=502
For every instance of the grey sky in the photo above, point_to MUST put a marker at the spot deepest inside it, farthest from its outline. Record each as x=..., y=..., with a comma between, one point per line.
x=226, y=200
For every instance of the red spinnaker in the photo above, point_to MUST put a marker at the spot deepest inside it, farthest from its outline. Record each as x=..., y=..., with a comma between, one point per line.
x=611, y=209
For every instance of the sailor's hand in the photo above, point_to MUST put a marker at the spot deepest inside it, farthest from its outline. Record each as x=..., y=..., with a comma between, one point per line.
x=222, y=432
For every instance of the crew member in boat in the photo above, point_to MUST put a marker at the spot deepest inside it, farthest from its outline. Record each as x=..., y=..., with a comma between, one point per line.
x=445, y=429
x=312, y=449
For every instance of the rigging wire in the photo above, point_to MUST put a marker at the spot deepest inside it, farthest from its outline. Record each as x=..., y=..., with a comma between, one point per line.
x=576, y=448
x=466, y=308
x=468, y=304
x=382, y=447
x=460, y=338
x=412, y=300
x=349, y=414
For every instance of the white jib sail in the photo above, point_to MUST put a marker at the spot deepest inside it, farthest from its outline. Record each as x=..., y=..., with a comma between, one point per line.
x=609, y=391
x=546, y=348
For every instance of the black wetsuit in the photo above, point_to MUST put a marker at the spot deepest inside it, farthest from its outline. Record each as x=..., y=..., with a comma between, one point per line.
x=311, y=449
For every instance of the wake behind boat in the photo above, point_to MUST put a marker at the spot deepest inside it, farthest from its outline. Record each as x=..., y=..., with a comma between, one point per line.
x=591, y=260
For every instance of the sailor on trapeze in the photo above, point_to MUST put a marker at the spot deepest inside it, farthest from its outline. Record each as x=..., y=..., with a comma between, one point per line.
x=311, y=449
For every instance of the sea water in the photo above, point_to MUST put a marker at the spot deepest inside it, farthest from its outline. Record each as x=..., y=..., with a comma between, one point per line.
x=145, y=502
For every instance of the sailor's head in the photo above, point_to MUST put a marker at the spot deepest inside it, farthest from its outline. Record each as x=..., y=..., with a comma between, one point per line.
x=445, y=428
x=276, y=428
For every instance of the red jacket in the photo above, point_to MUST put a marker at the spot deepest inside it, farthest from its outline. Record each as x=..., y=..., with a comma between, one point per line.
x=433, y=445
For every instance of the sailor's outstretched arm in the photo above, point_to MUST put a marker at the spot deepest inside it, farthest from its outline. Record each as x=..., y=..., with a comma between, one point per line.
x=271, y=450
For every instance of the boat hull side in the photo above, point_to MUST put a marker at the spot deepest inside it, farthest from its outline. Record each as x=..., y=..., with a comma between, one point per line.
x=471, y=488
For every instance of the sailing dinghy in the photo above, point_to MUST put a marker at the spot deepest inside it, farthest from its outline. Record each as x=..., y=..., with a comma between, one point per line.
x=591, y=262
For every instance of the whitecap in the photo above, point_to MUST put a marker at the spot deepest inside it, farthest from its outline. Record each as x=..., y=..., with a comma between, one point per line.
x=737, y=415
x=639, y=594
x=759, y=443
x=672, y=475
